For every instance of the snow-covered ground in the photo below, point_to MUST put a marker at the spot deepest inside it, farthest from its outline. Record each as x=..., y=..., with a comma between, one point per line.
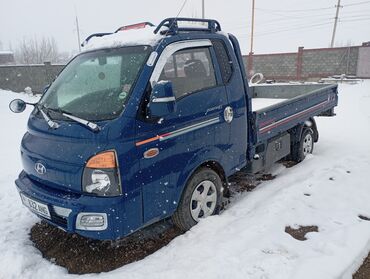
x=248, y=239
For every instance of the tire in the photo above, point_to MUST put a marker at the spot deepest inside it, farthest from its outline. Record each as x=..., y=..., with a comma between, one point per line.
x=194, y=204
x=304, y=147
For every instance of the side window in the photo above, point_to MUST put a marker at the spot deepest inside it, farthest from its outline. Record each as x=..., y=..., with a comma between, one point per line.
x=169, y=69
x=189, y=70
x=224, y=60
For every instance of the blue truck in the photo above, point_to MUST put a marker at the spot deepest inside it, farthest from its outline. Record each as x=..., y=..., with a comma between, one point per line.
x=149, y=122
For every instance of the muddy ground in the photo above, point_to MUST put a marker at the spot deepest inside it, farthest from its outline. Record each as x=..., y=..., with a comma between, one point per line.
x=364, y=271
x=80, y=255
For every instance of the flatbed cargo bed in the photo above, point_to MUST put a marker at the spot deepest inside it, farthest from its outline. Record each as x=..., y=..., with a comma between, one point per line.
x=281, y=107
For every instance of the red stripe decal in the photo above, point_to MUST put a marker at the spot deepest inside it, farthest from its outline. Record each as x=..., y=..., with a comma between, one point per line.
x=294, y=116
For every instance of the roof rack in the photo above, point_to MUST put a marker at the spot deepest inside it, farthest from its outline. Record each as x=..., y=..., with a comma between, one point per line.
x=123, y=28
x=135, y=26
x=94, y=35
x=172, y=24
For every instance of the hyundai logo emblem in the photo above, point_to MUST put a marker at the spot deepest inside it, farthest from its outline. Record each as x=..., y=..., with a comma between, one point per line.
x=40, y=168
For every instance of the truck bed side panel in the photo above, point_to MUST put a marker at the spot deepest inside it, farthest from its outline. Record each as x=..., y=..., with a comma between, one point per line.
x=283, y=116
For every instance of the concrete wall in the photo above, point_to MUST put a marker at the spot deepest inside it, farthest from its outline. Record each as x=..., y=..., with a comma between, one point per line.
x=363, y=65
x=325, y=62
x=266, y=64
x=17, y=78
x=311, y=63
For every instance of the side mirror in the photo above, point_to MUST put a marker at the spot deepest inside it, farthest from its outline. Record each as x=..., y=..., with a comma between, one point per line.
x=162, y=101
x=17, y=105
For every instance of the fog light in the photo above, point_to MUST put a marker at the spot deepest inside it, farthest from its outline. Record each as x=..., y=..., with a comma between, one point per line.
x=62, y=211
x=91, y=221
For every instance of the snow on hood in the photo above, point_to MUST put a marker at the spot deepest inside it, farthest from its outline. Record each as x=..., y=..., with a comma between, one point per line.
x=144, y=36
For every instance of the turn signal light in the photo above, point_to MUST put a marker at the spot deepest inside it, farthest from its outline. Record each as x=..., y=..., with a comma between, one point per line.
x=105, y=160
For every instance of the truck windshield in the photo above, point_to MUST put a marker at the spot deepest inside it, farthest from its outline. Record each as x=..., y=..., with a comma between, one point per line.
x=96, y=85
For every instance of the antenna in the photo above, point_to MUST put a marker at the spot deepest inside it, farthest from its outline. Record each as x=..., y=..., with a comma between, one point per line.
x=78, y=31
x=173, y=22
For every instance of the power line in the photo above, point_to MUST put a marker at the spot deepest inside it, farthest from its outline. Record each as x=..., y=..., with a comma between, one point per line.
x=283, y=15
x=313, y=26
x=294, y=11
x=358, y=3
x=313, y=9
x=294, y=28
x=285, y=30
x=356, y=16
x=321, y=19
x=356, y=20
x=287, y=22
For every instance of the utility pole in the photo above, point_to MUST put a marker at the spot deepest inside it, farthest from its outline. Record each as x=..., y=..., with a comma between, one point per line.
x=250, y=56
x=203, y=9
x=252, y=28
x=78, y=34
x=335, y=24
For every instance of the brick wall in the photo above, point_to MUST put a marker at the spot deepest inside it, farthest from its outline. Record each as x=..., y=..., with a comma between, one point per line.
x=17, y=78
x=311, y=63
x=324, y=62
x=266, y=64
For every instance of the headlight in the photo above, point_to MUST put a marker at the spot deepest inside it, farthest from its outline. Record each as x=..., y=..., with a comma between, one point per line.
x=101, y=176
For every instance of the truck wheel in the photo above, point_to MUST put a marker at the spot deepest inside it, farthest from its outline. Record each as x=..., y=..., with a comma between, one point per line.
x=304, y=147
x=201, y=198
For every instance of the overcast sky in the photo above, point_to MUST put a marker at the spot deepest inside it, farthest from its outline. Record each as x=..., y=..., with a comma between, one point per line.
x=280, y=26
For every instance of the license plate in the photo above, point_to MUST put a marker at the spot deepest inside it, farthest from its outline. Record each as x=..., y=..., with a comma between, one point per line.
x=36, y=207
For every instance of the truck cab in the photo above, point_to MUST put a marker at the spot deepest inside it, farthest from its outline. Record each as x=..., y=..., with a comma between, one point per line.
x=146, y=123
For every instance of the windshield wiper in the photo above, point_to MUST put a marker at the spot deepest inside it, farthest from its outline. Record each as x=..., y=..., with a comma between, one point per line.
x=52, y=124
x=91, y=125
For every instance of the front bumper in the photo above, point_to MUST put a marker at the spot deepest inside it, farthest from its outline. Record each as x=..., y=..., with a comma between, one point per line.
x=112, y=207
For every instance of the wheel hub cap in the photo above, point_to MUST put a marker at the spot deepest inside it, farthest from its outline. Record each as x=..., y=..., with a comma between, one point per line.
x=203, y=200
x=307, y=144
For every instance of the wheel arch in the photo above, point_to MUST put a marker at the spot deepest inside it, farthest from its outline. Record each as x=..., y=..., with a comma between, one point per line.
x=193, y=166
x=296, y=131
x=314, y=129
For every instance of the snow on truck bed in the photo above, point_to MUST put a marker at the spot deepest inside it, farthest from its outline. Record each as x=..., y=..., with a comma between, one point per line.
x=329, y=189
x=261, y=103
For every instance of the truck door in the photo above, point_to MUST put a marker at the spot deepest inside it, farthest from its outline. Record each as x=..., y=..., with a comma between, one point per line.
x=197, y=123
x=233, y=80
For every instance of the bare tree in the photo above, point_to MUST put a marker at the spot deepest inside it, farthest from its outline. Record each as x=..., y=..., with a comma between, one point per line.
x=37, y=51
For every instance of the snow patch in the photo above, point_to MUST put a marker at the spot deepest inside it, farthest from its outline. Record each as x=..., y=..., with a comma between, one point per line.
x=248, y=240
x=144, y=36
